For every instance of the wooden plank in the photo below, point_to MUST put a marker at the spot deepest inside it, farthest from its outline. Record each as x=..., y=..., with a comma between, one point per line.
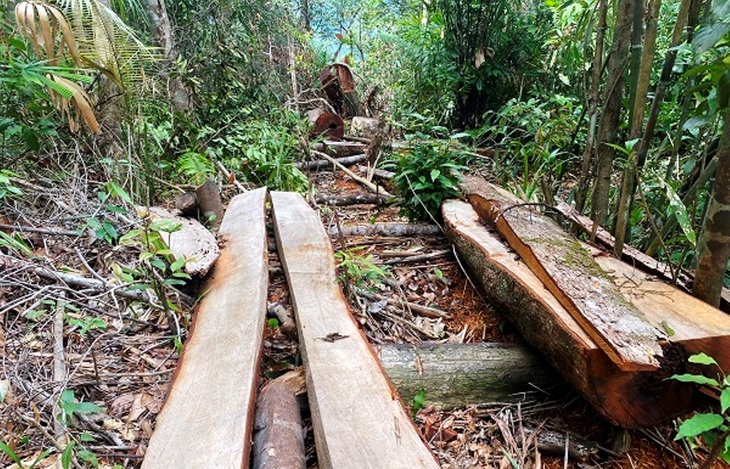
x=627, y=399
x=357, y=417
x=207, y=418
x=193, y=242
x=572, y=275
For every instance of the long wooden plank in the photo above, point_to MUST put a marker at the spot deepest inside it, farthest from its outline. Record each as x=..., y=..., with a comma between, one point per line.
x=207, y=418
x=572, y=275
x=358, y=418
x=627, y=399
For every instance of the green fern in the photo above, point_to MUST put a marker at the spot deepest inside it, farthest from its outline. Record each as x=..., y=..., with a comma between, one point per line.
x=195, y=167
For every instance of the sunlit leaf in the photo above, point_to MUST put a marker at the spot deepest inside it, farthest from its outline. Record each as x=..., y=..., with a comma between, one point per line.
x=698, y=425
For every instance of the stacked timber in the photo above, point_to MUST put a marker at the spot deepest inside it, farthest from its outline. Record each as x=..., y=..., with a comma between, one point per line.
x=615, y=333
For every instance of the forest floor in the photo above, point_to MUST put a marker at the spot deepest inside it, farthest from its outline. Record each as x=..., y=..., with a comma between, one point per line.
x=120, y=355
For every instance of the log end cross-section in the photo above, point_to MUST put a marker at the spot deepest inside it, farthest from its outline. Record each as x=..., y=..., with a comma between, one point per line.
x=207, y=418
x=357, y=417
x=571, y=274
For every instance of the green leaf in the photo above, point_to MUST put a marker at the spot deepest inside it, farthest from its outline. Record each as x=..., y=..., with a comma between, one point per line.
x=698, y=425
x=435, y=173
x=87, y=408
x=697, y=379
x=418, y=400
x=702, y=359
x=89, y=457
x=273, y=323
x=725, y=400
x=723, y=90
x=11, y=454
x=680, y=212
x=68, y=452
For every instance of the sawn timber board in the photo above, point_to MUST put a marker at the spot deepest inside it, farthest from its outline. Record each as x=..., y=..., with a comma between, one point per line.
x=357, y=417
x=207, y=418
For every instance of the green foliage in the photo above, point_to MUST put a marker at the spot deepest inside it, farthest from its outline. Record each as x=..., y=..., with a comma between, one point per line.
x=360, y=270
x=263, y=151
x=418, y=401
x=713, y=427
x=69, y=406
x=85, y=324
x=425, y=176
x=196, y=167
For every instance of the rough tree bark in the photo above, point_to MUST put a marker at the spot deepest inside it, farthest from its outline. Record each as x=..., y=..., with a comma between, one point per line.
x=611, y=111
x=714, y=245
x=162, y=34
x=585, y=169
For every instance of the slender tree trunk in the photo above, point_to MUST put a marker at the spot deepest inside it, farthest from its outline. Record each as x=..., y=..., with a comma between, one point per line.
x=640, y=90
x=162, y=34
x=714, y=244
x=585, y=168
x=669, y=60
x=611, y=111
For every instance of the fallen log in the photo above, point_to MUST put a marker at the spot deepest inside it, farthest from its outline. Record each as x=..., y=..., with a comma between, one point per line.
x=374, y=188
x=278, y=439
x=192, y=242
x=352, y=199
x=632, y=255
x=340, y=149
x=357, y=418
x=627, y=399
x=208, y=414
x=457, y=375
x=378, y=173
x=570, y=273
x=386, y=229
x=319, y=164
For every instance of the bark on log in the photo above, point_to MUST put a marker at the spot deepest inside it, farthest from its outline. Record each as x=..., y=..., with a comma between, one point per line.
x=627, y=399
x=352, y=199
x=211, y=207
x=387, y=229
x=340, y=149
x=456, y=375
x=572, y=275
x=187, y=204
x=193, y=242
x=278, y=439
x=633, y=256
x=320, y=164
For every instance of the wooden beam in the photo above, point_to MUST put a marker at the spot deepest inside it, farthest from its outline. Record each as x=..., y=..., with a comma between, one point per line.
x=357, y=417
x=627, y=399
x=207, y=418
x=571, y=274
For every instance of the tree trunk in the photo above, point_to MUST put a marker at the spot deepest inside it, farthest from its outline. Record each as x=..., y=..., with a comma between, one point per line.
x=585, y=169
x=611, y=111
x=714, y=245
x=162, y=35
x=639, y=91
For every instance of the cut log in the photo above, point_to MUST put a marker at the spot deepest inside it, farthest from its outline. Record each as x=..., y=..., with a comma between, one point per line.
x=330, y=125
x=357, y=418
x=361, y=126
x=319, y=164
x=387, y=229
x=378, y=173
x=187, y=204
x=278, y=440
x=352, y=199
x=632, y=255
x=192, y=241
x=570, y=273
x=340, y=149
x=209, y=201
x=627, y=399
x=208, y=414
x=457, y=375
